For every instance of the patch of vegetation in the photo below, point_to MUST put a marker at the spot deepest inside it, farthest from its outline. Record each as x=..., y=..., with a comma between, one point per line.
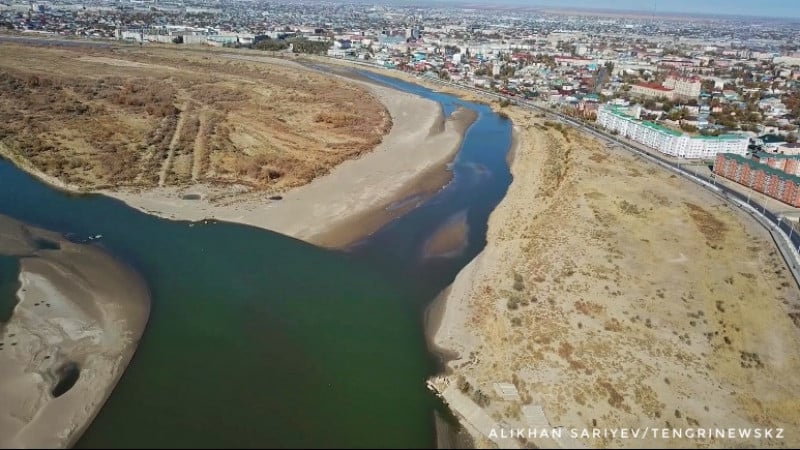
x=481, y=398
x=712, y=228
x=630, y=209
x=750, y=360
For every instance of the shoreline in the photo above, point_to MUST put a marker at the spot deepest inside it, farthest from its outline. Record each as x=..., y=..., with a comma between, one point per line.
x=446, y=315
x=80, y=313
x=461, y=285
x=350, y=202
x=530, y=311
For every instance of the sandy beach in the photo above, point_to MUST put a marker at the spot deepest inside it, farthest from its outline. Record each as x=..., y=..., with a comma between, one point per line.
x=311, y=151
x=80, y=314
x=351, y=201
x=614, y=294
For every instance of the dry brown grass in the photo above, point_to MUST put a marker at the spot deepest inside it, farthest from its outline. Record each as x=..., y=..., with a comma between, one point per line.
x=711, y=227
x=652, y=296
x=107, y=118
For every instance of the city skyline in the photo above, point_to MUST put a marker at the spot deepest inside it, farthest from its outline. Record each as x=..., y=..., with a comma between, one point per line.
x=767, y=8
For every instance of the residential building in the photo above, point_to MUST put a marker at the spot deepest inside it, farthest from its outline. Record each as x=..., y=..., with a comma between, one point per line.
x=787, y=163
x=759, y=177
x=654, y=90
x=667, y=140
x=684, y=87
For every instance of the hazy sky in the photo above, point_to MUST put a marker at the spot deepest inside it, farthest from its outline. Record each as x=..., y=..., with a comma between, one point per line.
x=770, y=8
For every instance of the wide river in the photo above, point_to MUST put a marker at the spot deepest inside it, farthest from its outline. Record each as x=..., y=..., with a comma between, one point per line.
x=259, y=340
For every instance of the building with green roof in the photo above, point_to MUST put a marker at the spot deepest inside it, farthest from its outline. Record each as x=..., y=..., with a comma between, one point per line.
x=666, y=140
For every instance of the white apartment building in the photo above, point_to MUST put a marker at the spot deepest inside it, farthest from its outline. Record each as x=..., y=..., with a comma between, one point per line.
x=668, y=141
x=684, y=87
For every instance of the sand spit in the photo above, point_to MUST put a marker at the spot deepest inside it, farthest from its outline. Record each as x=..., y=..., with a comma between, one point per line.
x=355, y=198
x=613, y=294
x=206, y=165
x=450, y=239
x=77, y=323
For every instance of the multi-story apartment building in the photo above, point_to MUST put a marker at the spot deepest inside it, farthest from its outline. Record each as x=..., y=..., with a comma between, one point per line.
x=759, y=177
x=654, y=90
x=666, y=140
x=789, y=164
x=684, y=87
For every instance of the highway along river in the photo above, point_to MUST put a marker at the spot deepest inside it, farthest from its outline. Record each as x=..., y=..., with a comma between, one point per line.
x=259, y=340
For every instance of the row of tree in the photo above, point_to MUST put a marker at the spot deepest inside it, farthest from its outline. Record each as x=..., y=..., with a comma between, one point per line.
x=299, y=45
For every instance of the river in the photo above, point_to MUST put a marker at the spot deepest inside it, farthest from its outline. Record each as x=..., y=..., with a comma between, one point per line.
x=259, y=340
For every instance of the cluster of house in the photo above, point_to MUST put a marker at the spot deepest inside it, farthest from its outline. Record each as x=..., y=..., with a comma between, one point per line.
x=774, y=175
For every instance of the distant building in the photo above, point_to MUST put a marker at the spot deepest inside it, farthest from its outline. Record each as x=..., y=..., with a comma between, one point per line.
x=684, y=87
x=788, y=149
x=760, y=177
x=666, y=140
x=496, y=69
x=653, y=90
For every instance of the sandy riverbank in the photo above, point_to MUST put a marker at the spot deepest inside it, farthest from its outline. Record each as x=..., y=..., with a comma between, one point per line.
x=355, y=198
x=404, y=76
x=594, y=254
x=79, y=312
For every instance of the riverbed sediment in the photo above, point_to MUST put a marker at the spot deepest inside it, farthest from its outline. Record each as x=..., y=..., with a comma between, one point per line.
x=76, y=325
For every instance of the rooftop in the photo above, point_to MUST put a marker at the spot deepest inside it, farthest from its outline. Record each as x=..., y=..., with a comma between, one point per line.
x=775, y=155
x=661, y=128
x=722, y=137
x=655, y=86
x=759, y=166
x=618, y=111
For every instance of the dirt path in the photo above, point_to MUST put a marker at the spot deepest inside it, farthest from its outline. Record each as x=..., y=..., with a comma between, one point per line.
x=173, y=143
x=199, y=150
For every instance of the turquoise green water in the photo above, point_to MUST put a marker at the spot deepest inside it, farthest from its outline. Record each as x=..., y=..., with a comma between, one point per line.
x=259, y=340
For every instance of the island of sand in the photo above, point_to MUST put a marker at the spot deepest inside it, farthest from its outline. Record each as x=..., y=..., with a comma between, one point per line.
x=78, y=319
x=196, y=134
x=614, y=294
